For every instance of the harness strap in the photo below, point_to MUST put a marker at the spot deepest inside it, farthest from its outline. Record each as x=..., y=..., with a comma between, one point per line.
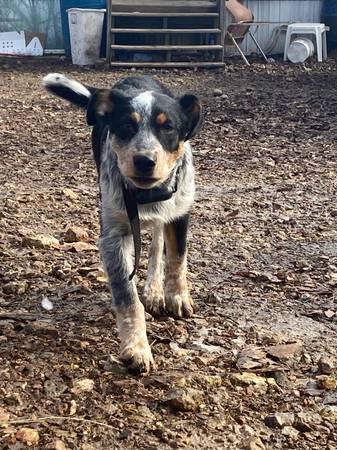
x=140, y=196
x=132, y=212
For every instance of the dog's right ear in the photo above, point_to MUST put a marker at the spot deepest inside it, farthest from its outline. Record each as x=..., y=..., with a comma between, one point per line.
x=100, y=106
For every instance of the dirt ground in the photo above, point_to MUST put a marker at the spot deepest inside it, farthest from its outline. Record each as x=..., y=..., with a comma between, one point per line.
x=255, y=367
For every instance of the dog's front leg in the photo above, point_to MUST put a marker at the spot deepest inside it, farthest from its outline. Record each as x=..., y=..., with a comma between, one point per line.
x=178, y=301
x=154, y=300
x=116, y=252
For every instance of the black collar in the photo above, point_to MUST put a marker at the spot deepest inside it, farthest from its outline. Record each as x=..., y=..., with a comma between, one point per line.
x=157, y=194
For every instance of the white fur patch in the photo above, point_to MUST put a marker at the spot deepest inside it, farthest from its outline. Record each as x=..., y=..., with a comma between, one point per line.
x=57, y=79
x=143, y=103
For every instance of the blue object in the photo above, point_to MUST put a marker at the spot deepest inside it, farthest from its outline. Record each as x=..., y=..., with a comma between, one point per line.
x=329, y=17
x=329, y=8
x=85, y=4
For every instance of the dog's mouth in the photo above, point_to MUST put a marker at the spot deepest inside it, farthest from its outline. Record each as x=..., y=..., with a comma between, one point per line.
x=145, y=182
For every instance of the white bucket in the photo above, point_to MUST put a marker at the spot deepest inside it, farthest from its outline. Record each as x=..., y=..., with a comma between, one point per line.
x=300, y=50
x=86, y=27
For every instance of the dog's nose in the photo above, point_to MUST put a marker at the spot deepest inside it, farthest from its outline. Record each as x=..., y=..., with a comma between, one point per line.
x=144, y=164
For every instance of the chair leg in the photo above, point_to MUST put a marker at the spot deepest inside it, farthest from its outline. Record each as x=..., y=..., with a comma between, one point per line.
x=286, y=45
x=325, y=49
x=319, y=45
x=258, y=46
x=239, y=49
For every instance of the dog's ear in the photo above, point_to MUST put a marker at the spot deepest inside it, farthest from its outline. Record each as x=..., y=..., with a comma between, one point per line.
x=191, y=106
x=102, y=104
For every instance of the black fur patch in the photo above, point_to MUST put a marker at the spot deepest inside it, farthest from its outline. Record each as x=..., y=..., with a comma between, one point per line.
x=180, y=227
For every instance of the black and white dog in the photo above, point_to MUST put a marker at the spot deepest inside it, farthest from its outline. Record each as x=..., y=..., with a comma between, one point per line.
x=141, y=147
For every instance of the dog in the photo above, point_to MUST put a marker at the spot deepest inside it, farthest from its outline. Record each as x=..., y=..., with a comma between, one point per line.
x=140, y=141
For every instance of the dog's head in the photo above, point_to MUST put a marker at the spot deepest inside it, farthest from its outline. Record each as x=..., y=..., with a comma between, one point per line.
x=148, y=128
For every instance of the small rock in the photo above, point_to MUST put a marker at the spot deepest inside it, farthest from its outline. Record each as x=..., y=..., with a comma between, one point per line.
x=326, y=365
x=82, y=385
x=206, y=348
x=79, y=247
x=75, y=234
x=307, y=421
x=290, y=432
x=280, y=420
x=4, y=415
x=188, y=399
x=327, y=382
x=15, y=287
x=28, y=435
x=69, y=193
x=329, y=412
x=72, y=408
x=59, y=445
x=255, y=443
x=47, y=304
x=40, y=241
x=284, y=351
x=178, y=350
x=209, y=381
x=145, y=411
x=217, y=92
x=247, y=378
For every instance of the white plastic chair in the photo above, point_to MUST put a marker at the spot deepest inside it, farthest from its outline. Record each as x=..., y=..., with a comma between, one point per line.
x=317, y=29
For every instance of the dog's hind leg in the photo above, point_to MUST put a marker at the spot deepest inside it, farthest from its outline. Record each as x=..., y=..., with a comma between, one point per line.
x=116, y=250
x=153, y=298
x=177, y=297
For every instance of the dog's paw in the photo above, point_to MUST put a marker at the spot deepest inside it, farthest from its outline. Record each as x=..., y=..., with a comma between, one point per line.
x=137, y=357
x=154, y=302
x=179, y=304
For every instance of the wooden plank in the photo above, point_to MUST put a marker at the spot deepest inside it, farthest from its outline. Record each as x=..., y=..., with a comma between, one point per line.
x=166, y=30
x=167, y=64
x=221, y=25
x=108, y=28
x=174, y=6
x=161, y=14
x=165, y=47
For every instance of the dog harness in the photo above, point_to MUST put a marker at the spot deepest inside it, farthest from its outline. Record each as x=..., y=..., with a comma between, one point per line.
x=135, y=196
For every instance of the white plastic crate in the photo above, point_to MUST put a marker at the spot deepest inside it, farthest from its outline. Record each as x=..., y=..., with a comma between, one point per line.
x=14, y=43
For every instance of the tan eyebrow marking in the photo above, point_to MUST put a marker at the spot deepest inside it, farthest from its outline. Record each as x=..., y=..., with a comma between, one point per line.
x=135, y=117
x=161, y=119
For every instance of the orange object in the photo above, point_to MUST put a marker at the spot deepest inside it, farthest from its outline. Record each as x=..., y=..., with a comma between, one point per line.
x=240, y=14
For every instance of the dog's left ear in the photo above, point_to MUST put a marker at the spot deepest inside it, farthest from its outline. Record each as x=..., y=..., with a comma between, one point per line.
x=191, y=106
x=100, y=106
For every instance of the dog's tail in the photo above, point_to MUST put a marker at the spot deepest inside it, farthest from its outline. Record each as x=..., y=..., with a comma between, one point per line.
x=69, y=89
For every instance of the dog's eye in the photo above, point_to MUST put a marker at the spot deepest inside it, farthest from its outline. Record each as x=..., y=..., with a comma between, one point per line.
x=167, y=126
